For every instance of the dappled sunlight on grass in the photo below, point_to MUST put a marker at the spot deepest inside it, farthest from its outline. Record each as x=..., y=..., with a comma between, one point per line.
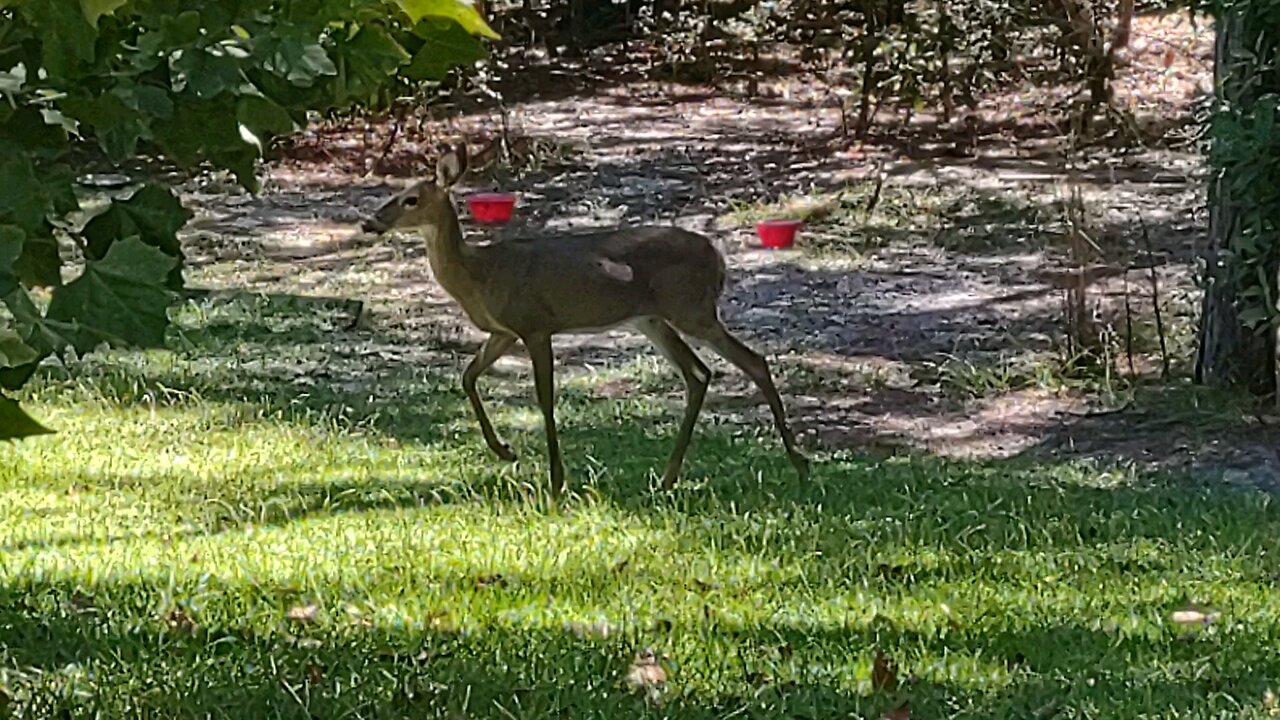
x=210, y=538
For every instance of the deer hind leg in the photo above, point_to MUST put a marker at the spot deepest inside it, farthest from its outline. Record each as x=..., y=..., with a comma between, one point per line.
x=696, y=378
x=539, y=347
x=494, y=348
x=756, y=367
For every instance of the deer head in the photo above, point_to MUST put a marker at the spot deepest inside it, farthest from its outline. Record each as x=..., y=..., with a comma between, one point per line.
x=424, y=204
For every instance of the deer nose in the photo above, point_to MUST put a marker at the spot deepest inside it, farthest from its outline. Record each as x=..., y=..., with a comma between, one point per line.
x=372, y=225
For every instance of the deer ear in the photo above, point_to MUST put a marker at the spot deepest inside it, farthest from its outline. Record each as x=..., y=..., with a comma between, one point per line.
x=446, y=170
x=464, y=158
x=451, y=166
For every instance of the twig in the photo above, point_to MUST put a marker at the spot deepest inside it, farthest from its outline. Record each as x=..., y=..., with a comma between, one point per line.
x=1128, y=324
x=1124, y=407
x=875, y=194
x=1155, y=300
x=386, y=147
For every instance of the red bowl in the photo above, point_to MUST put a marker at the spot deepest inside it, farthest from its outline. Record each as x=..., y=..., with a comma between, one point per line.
x=777, y=233
x=491, y=207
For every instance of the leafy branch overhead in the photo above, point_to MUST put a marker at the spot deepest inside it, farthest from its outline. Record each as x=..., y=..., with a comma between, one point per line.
x=202, y=84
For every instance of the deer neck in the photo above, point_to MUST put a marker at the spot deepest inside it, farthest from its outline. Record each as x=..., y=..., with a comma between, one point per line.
x=447, y=253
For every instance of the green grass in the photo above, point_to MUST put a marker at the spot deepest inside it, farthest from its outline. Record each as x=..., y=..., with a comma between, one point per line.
x=154, y=548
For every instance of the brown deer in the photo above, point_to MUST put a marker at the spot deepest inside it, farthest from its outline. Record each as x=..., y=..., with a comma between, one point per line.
x=663, y=281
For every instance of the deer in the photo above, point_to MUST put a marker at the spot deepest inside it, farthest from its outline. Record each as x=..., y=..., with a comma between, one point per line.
x=664, y=282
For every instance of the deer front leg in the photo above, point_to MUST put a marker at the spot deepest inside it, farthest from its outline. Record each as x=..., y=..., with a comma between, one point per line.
x=494, y=348
x=696, y=377
x=539, y=347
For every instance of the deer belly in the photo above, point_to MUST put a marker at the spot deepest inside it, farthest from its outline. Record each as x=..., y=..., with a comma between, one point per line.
x=594, y=329
x=487, y=322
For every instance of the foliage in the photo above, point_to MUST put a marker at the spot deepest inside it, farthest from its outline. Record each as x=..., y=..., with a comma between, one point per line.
x=1241, y=318
x=888, y=54
x=201, y=84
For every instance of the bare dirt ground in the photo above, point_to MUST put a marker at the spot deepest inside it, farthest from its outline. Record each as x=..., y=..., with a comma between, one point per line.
x=930, y=322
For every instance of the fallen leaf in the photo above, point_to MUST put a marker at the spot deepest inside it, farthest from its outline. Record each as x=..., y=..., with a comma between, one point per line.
x=302, y=613
x=315, y=673
x=902, y=712
x=440, y=620
x=1193, y=616
x=180, y=622
x=646, y=674
x=883, y=676
x=80, y=604
x=485, y=581
x=599, y=629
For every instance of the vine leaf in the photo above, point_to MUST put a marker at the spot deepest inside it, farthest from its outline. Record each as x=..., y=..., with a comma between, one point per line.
x=448, y=44
x=461, y=13
x=154, y=214
x=301, y=63
x=12, y=239
x=14, y=352
x=120, y=298
x=95, y=9
x=16, y=424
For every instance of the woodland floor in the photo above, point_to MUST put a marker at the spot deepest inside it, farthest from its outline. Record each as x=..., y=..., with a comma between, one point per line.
x=288, y=511
x=934, y=324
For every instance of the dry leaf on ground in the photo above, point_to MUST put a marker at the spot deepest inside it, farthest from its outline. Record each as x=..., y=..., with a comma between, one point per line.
x=646, y=674
x=180, y=622
x=303, y=613
x=1194, y=616
x=883, y=675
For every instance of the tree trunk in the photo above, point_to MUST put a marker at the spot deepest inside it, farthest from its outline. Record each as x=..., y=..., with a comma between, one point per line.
x=1230, y=354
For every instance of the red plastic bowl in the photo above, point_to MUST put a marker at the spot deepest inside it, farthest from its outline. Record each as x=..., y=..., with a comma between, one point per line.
x=777, y=233
x=491, y=207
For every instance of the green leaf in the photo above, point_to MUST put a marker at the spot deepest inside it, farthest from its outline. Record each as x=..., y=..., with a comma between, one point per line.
x=12, y=239
x=149, y=100
x=154, y=214
x=371, y=57
x=41, y=263
x=301, y=63
x=209, y=131
x=14, y=352
x=462, y=13
x=68, y=38
x=46, y=336
x=447, y=45
x=264, y=119
x=23, y=200
x=24, y=132
x=116, y=126
x=120, y=297
x=95, y=9
x=16, y=424
x=208, y=72
x=1255, y=317
x=12, y=80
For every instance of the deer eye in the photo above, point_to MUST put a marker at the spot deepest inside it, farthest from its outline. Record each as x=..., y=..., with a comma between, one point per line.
x=411, y=201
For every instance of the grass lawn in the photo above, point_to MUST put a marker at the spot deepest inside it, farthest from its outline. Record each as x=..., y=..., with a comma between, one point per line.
x=274, y=520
